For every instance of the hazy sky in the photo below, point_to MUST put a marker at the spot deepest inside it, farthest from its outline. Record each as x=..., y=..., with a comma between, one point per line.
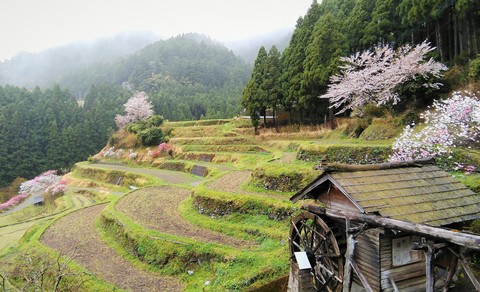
x=33, y=25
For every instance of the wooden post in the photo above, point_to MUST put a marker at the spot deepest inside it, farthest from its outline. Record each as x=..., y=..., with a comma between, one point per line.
x=466, y=266
x=430, y=273
x=347, y=272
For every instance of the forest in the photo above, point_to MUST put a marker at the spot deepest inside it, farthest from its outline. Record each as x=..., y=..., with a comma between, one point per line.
x=187, y=78
x=333, y=29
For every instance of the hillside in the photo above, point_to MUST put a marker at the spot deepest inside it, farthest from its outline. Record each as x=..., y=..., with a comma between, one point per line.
x=46, y=68
x=187, y=77
x=213, y=214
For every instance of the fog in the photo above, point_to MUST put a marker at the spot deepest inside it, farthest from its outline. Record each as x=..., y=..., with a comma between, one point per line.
x=33, y=26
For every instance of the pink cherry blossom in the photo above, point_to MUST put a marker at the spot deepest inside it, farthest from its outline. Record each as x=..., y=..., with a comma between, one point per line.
x=137, y=108
x=448, y=123
x=371, y=77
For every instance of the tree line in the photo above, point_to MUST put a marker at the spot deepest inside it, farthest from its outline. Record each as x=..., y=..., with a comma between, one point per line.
x=186, y=77
x=332, y=29
x=49, y=129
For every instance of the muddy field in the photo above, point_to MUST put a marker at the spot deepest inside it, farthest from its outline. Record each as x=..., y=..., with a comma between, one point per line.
x=157, y=208
x=76, y=231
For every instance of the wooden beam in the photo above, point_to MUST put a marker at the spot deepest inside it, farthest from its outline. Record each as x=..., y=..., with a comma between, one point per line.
x=361, y=277
x=347, y=271
x=451, y=272
x=462, y=239
x=466, y=267
x=387, y=165
x=430, y=273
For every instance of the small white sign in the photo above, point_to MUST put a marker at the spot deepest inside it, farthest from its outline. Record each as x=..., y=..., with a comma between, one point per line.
x=302, y=260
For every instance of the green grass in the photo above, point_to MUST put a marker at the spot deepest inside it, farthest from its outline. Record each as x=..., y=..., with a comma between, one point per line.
x=244, y=226
x=227, y=268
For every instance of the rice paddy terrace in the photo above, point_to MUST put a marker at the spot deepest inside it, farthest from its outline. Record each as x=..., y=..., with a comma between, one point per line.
x=213, y=216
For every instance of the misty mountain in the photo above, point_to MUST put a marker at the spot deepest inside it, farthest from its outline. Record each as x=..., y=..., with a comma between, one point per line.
x=47, y=67
x=248, y=48
x=186, y=59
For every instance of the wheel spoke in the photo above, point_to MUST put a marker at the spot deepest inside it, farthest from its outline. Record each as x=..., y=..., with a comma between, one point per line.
x=311, y=234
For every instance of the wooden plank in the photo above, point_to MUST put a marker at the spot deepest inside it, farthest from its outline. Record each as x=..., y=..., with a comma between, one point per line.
x=347, y=273
x=362, y=278
x=466, y=267
x=429, y=267
x=367, y=257
x=459, y=238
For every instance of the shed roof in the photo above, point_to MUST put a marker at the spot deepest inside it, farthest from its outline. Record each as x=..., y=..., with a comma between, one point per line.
x=414, y=192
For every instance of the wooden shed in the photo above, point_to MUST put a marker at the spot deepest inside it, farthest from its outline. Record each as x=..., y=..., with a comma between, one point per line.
x=418, y=197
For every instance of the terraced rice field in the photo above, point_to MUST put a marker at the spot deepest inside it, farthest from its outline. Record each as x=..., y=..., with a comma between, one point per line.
x=157, y=208
x=77, y=231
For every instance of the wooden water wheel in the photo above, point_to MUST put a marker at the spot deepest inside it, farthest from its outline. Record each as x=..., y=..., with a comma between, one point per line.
x=310, y=234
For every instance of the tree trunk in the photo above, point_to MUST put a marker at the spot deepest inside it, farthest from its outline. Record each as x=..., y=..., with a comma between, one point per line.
x=450, y=37
x=264, y=118
x=455, y=36
x=469, y=40
x=461, y=36
x=474, y=34
x=439, y=40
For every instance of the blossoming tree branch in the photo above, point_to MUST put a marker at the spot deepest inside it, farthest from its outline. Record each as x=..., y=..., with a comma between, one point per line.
x=372, y=77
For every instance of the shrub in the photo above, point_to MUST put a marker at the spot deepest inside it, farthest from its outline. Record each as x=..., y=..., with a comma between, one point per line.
x=474, y=71
x=12, y=202
x=151, y=136
x=448, y=124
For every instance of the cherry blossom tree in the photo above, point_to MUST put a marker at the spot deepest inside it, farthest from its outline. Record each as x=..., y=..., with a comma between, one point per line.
x=47, y=182
x=137, y=108
x=448, y=123
x=371, y=77
x=12, y=202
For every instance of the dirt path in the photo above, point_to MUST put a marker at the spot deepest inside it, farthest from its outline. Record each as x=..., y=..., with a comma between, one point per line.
x=287, y=157
x=78, y=230
x=231, y=182
x=169, y=176
x=157, y=208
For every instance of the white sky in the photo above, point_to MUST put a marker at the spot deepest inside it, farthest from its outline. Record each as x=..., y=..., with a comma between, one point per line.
x=34, y=25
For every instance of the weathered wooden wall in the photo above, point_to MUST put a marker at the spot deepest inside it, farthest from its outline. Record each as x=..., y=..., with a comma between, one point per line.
x=367, y=257
x=410, y=277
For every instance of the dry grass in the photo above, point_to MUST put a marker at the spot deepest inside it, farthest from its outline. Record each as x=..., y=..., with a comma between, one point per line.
x=300, y=132
x=125, y=140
